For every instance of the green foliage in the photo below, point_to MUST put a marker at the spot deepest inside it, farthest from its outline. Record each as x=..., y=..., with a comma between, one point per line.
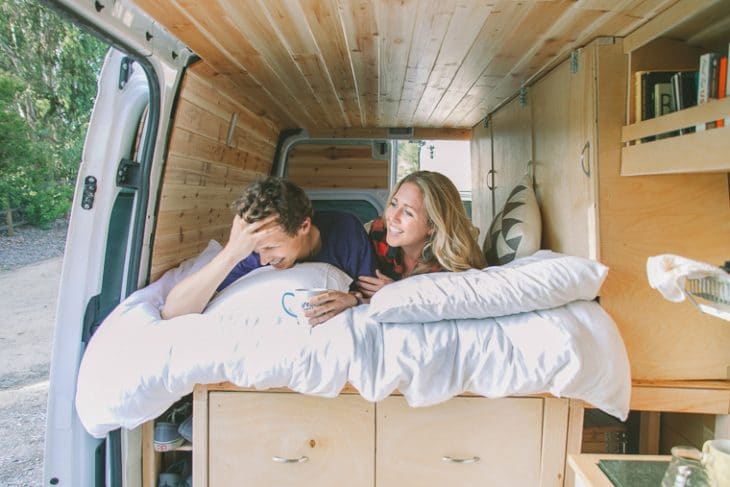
x=48, y=82
x=409, y=157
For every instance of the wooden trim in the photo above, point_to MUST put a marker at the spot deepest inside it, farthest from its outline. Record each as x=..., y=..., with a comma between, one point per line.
x=151, y=460
x=665, y=21
x=200, y=433
x=556, y=414
x=382, y=133
x=709, y=397
x=704, y=151
x=649, y=427
x=689, y=117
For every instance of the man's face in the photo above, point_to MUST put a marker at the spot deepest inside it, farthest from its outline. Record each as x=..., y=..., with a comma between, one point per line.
x=281, y=250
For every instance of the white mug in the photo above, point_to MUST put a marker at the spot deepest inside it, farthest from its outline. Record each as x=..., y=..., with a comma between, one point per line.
x=299, y=302
x=716, y=458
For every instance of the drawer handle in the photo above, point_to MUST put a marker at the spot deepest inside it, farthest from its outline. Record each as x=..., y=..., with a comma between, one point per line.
x=278, y=459
x=460, y=460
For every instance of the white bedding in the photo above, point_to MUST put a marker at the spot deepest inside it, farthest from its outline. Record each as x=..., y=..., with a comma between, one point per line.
x=137, y=364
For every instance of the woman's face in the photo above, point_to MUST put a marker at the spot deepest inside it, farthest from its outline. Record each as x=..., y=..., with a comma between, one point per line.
x=406, y=219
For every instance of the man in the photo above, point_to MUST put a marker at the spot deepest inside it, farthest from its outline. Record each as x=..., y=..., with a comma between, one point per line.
x=275, y=225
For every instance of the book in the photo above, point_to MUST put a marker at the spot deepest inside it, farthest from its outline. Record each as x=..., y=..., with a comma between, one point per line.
x=645, y=82
x=707, y=82
x=684, y=90
x=722, y=85
x=663, y=99
x=664, y=103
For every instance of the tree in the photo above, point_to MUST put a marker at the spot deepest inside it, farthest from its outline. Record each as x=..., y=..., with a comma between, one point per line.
x=14, y=146
x=58, y=65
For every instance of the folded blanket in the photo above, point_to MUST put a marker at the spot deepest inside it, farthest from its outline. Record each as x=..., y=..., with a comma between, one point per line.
x=137, y=364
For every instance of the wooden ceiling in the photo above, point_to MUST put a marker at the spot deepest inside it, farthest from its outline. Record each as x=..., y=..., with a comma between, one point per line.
x=386, y=63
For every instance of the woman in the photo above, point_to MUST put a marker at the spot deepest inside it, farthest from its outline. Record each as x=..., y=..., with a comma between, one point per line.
x=424, y=229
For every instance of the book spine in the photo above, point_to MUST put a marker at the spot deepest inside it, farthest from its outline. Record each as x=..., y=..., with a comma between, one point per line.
x=722, y=85
x=703, y=87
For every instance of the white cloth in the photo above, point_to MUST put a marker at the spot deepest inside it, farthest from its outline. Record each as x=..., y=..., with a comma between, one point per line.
x=668, y=273
x=137, y=365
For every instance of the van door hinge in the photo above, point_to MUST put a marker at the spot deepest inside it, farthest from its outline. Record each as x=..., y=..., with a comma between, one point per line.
x=125, y=71
x=87, y=197
x=129, y=174
x=91, y=318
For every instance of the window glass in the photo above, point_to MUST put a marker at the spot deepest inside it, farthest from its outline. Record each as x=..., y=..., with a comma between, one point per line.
x=451, y=158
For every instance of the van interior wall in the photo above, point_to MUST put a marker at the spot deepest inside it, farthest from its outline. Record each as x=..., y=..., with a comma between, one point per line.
x=332, y=165
x=208, y=164
x=636, y=217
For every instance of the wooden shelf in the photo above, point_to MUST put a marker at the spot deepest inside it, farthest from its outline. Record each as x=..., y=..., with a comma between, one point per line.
x=674, y=41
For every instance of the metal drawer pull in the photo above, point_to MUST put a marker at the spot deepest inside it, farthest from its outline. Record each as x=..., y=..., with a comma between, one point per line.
x=302, y=459
x=460, y=460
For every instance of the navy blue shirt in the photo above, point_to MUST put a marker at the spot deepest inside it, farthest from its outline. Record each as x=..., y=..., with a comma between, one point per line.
x=345, y=245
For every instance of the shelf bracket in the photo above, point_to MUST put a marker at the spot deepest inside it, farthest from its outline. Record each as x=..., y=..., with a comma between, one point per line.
x=574, y=61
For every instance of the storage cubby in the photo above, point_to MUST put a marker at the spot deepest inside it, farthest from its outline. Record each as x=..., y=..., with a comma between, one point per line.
x=674, y=41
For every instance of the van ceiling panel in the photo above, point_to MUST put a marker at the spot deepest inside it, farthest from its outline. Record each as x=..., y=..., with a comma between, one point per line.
x=387, y=63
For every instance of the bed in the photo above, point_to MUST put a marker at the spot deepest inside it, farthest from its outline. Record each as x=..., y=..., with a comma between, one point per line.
x=529, y=327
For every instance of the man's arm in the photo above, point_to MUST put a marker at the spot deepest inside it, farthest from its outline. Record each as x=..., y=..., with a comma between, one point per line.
x=192, y=294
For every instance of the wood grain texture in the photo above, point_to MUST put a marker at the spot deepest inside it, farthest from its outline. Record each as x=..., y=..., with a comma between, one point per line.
x=205, y=173
x=376, y=63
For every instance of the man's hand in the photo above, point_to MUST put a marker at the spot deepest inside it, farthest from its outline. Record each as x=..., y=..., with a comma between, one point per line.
x=369, y=285
x=246, y=237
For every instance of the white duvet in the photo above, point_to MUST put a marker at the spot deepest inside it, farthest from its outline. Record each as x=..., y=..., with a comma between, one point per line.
x=137, y=364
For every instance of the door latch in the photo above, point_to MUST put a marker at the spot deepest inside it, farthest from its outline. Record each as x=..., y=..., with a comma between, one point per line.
x=87, y=197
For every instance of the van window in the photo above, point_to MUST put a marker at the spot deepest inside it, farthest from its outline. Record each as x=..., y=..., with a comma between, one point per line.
x=451, y=158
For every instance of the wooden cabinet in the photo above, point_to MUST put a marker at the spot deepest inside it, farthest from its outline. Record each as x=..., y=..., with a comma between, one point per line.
x=674, y=41
x=465, y=441
x=619, y=220
x=244, y=437
x=281, y=439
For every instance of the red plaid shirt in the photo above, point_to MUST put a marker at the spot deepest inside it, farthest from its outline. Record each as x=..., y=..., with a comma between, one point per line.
x=390, y=259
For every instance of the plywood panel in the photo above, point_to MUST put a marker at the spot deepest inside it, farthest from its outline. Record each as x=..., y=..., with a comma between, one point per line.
x=564, y=157
x=329, y=165
x=482, y=208
x=248, y=432
x=512, y=148
x=687, y=214
x=412, y=442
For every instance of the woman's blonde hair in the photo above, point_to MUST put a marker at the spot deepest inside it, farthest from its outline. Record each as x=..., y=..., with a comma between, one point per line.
x=453, y=243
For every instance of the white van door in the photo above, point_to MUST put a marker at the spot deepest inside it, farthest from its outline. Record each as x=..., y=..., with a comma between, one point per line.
x=97, y=260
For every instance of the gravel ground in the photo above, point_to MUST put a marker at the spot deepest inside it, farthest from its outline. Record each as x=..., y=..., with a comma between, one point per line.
x=30, y=265
x=30, y=245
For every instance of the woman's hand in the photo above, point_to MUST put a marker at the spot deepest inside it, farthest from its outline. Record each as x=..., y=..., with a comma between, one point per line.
x=369, y=285
x=329, y=304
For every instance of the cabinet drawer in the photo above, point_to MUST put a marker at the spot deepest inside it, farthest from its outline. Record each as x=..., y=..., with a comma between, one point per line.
x=249, y=432
x=505, y=434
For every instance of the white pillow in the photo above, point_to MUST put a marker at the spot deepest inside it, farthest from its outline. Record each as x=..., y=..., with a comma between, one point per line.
x=259, y=293
x=517, y=229
x=544, y=280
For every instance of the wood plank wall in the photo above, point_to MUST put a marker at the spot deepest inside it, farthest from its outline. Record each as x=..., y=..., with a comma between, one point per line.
x=205, y=171
x=336, y=166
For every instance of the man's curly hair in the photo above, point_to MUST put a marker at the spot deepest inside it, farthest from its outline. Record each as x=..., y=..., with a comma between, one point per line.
x=275, y=195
